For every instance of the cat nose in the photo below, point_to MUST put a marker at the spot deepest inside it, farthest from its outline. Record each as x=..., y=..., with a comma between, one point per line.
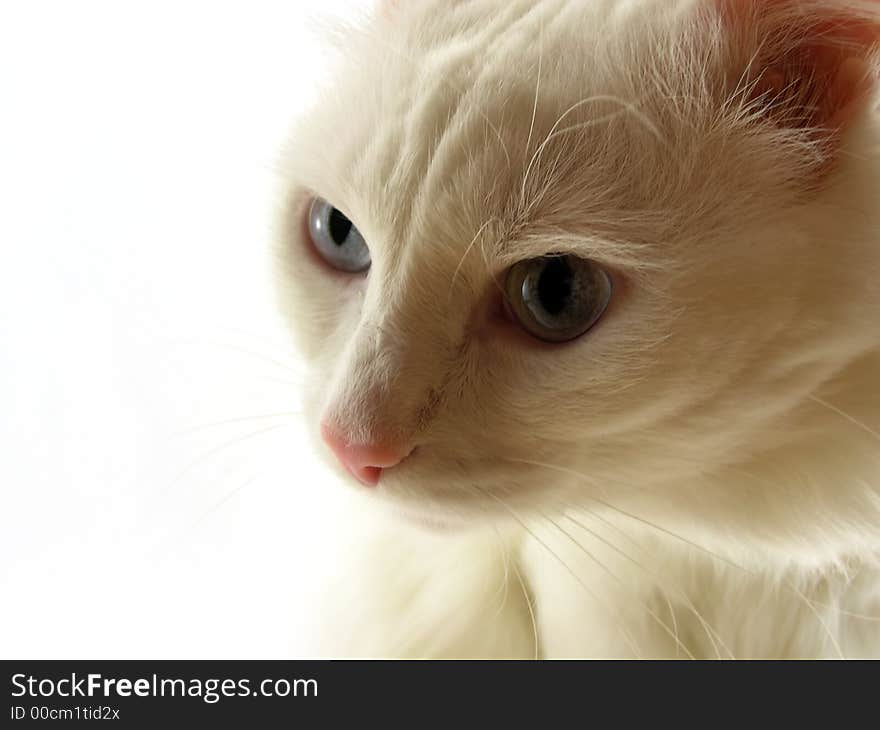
x=365, y=462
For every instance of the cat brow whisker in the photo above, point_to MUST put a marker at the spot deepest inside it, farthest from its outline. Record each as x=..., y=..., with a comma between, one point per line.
x=551, y=135
x=498, y=135
x=550, y=177
x=537, y=88
x=628, y=108
x=468, y=250
x=540, y=148
x=550, y=181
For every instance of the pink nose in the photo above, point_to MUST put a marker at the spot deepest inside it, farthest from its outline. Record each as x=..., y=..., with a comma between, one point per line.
x=364, y=461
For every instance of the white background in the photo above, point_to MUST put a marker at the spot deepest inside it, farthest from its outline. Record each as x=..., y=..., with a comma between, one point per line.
x=153, y=502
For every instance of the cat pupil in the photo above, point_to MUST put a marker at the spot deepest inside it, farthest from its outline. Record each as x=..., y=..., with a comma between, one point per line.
x=554, y=286
x=340, y=227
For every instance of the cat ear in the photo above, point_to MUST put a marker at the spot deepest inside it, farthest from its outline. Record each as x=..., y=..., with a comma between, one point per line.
x=804, y=64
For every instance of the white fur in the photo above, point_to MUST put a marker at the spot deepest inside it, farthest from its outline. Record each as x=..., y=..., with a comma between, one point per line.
x=698, y=475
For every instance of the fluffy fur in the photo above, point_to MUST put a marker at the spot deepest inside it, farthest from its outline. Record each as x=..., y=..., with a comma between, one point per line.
x=698, y=475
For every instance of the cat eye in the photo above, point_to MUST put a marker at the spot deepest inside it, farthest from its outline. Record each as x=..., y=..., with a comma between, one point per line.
x=557, y=298
x=336, y=239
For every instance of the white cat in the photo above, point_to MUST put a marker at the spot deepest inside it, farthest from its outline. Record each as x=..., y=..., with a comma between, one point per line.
x=589, y=294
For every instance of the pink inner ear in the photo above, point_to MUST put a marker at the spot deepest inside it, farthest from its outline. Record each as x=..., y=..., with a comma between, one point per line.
x=813, y=57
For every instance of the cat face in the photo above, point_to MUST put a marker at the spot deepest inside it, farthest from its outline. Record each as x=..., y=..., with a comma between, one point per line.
x=558, y=253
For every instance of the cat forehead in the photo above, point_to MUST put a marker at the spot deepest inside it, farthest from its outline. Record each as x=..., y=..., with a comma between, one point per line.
x=466, y=86
x=522, y=128
x=460, y=120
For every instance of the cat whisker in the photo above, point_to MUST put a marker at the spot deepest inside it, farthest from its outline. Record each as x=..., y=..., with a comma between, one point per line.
x=229, y=495
x=504, y=585
x=281, y=381
x=242, y=419
x=167, y=542
x=288, y=367
x=530, y=607
x=791, y=587
x=627, y=636
x=843, y=414
x=616, y=579
x=218, y=449
x=281, y=344
x=711, y=633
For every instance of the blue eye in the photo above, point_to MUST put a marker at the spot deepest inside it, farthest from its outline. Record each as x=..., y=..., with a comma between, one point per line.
x=557, y=298
x=336, y=239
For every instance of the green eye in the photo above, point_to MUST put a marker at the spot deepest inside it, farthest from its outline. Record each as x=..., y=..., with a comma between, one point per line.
x=557, y=298
x=336, y=239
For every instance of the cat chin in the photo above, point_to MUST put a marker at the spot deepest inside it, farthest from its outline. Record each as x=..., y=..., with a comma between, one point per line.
x=430, y=522
x=430, y=513
x=439, y=517
x=395, y=501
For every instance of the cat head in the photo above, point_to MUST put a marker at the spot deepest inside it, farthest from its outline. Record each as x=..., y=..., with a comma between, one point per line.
x=544, y=254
